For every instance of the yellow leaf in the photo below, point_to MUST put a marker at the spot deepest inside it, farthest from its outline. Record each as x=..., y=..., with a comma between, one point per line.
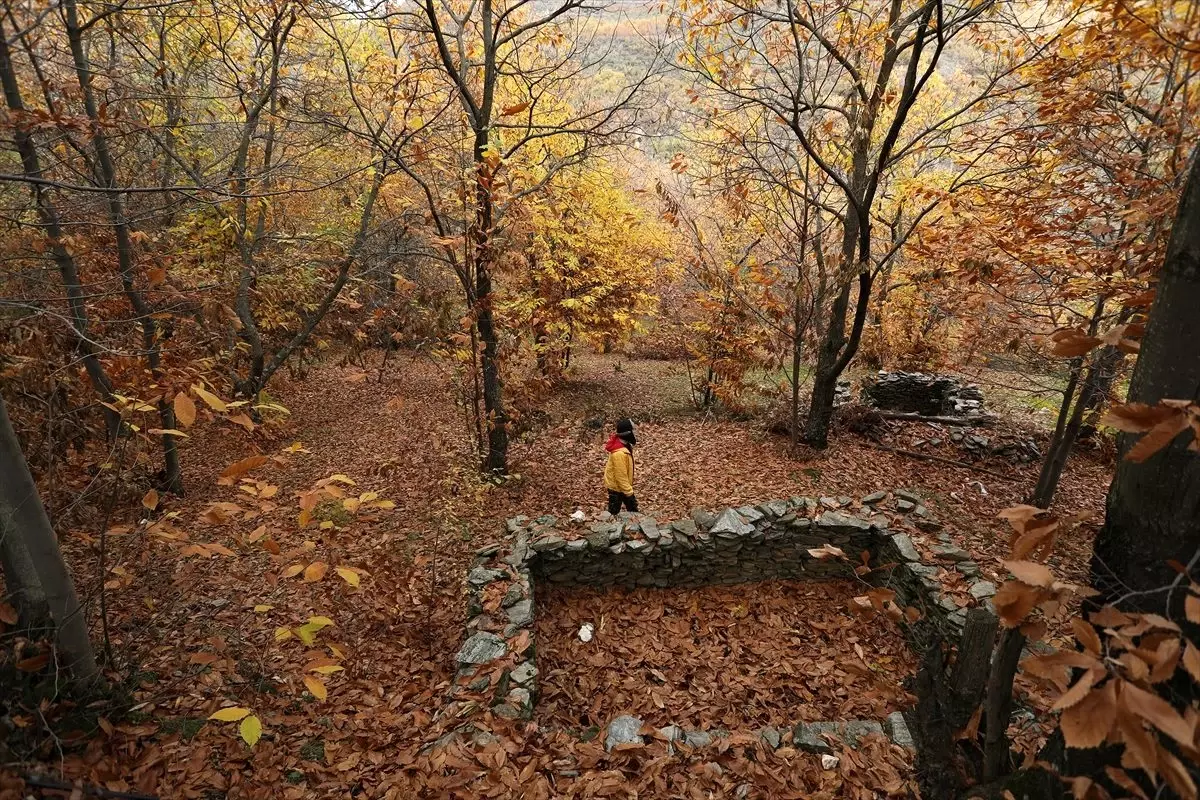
x=251, y=730
x=232, y=714
x=316, y=686
x=185, y=410
x=340, y=478
x=385, y=504
x=167, y=432
x=293, y=570
x=213, y=402
x=315, y=571
x=262, y=609
x=283, y=633
x=150, y=500
x=320, y=622
x=349, y=576
x=326, y=525
x=328, y=669
x=307, y=633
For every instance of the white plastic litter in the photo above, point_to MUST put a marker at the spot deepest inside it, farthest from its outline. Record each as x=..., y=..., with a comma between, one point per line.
x=828, y=761
x=578, y=516
x=585, y=632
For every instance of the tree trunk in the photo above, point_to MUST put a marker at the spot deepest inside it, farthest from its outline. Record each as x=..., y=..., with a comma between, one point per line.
x=1153, y=511
x=22, y=514
x=496, y=458
x=24, y=590
x=106, y=174
x=48, y=213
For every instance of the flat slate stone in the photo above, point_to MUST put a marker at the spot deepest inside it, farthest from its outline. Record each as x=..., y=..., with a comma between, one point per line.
x=809, y=737
x=982, y=589
x=908, y=495
x=874, y=497
x=771, y=737
x=686, y=527
x=905, y=505
x=622, y=730
x=897, y=729
x=551, y=542
x=905, y=547
x=488, y=550
x=776, y=508
x=525, y=673
x=832, y=519
x=650, y=529
x=858, y=729
x=750, y=513
x=481, y=576
x=702, y=517
x=697, y=739
x=515, y=594
x=521, y=613
x=968, y=568
x=731, y=521
x=481, y=648
x=948, y=552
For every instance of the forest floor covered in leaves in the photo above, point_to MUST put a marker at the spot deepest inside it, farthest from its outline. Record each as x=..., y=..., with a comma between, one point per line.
x=347, y=704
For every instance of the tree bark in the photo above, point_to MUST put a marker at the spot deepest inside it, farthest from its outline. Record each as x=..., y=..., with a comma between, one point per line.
x=1153, y=510
x=999, y=703
x=48, y=213
x=24, y=516
x=106, y=174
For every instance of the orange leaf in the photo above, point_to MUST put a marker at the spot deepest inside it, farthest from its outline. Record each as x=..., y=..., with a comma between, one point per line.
x=150, y=500
x=1088, y=722
x=8, y=614
x=1191, y=661
x=514, y=109
x=238, y=468
x=1157, y=711
x=1077, y=692
x=293, y=570
x=315, y=571
x=185, y=410
x=1031, y=573
x=1086, y=635
x=1159, y=437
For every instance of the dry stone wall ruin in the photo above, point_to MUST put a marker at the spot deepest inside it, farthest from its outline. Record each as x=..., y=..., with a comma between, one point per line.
x=777, y=540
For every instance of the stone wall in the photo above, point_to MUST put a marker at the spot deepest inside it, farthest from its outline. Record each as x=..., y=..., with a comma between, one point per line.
x=920, y=393
x=752, y=543
x=497, y=668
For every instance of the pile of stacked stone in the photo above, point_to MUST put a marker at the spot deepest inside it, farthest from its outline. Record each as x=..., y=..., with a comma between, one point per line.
x=790, y=539
x=1017, y=449
x=842, y=392
x=921, y=393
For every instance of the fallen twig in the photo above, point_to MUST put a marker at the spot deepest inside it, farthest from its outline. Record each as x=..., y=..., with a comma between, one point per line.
x=944, y=460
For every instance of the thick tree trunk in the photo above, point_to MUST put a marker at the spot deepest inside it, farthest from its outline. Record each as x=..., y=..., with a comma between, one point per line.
x=23, y=515
x=22, y=587
x=1153, y=512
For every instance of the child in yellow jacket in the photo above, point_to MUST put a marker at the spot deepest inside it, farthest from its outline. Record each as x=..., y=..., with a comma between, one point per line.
x=618, y=472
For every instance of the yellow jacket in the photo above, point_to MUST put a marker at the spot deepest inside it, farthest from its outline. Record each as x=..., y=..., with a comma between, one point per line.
x=618, y=472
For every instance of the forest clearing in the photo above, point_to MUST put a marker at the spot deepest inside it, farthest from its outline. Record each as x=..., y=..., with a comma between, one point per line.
x=542, y=398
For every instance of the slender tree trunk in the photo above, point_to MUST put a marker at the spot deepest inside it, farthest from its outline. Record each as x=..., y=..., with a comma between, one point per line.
x=1069, y=414
x=797, y=344
x=22, y=515
x=48, y=213
x=496, y=458
x=999, y=703
x=1153, y=511
x=107, y=175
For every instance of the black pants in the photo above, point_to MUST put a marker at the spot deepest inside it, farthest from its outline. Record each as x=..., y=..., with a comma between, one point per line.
x=616, y=499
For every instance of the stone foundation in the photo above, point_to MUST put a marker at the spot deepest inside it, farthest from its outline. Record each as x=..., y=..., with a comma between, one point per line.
x=790, y=539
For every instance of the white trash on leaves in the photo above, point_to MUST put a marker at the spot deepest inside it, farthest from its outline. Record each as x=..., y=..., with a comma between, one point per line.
x=828, y=761
x=585, y=632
